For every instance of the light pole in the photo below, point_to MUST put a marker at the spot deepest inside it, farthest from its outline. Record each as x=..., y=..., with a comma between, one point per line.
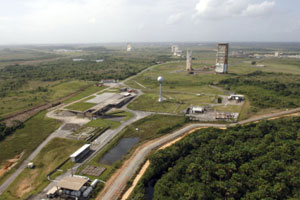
x=160, y=79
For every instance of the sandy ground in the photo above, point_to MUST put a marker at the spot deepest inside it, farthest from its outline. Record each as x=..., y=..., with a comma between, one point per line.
x=136, y=180
x=10, y=164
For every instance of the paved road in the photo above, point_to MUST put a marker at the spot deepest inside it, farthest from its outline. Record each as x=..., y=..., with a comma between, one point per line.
x=8, y=181
x=113, y=191
x=107, y=136
x=116, y=188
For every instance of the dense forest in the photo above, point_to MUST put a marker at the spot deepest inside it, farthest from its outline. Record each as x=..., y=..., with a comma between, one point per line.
x=16, y=75
x=267, y=90
x=256, y=161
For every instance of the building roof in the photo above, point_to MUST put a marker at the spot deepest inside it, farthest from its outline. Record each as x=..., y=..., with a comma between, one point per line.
x=198, y=108
x=72, y=183
x=79, y=151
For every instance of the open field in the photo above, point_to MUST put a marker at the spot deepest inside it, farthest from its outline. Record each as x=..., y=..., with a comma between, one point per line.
x=32, y=181
x=35, y=93
x=174, y=102
x=81, y=106
x=103, y=123
x=27, y=139
x=91, y=90
x=185, y=85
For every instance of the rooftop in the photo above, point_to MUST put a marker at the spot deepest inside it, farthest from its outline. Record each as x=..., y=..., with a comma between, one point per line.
x=79, y=151
x=72, y=183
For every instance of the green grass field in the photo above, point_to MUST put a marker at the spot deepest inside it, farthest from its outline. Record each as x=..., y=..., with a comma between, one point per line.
x=27, y=139
x=103, y=123
x=32, y=181
x=185, y=85
x=91, y=90
x=174, y=102
x=30, y=95
x=81, y=106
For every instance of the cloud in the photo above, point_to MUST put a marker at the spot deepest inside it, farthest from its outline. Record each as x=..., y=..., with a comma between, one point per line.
x=173, y=19
x=259, y=9
x=217, y=9
x=92, y=20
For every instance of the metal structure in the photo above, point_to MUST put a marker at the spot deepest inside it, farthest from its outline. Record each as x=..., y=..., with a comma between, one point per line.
x=129, y=47
x=222, y=58
x=174, y=48
x=80, y=153
x=160, y=79
x=189, y=58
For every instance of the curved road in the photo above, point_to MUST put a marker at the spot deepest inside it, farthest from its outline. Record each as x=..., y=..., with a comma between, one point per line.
x=114, y=190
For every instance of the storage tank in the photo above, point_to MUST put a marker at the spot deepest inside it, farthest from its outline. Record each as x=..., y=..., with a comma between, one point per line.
x=87, y=192
x=75, y=193
x=94, y=183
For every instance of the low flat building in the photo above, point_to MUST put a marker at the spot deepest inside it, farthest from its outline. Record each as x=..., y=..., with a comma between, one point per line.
x=72, y=187
x=72, y=183
x=80, y=153
x=237, y=97
x=226, y=116
x=197, y=110
x=106, y=101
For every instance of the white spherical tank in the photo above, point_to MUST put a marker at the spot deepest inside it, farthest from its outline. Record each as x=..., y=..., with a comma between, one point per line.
x=160, y=79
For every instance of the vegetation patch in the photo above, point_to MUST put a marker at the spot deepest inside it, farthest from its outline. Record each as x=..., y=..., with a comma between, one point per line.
x=87, y=92
x=267, y=90
x=26, y=139
x=256, y=161
x=145, y=129
x=81, y=106
x=32, y=181
x=173, y=102
x=103, y=123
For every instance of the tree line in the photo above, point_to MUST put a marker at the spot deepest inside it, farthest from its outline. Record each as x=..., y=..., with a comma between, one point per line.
x=267, y=90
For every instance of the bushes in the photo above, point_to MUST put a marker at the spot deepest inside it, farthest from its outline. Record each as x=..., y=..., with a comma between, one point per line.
x=5, y=131
x=267, y=90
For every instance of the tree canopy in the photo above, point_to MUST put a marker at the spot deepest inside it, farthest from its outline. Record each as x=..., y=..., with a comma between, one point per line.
x=257, y=161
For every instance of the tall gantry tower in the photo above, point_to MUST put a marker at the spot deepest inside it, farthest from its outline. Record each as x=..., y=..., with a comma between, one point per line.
x=189, y=58
x=222, y=58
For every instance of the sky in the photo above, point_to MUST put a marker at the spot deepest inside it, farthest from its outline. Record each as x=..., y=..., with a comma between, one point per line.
x=105, y=21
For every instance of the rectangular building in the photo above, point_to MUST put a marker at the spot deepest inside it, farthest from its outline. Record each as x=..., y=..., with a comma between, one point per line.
x=222, y=58
x=80, y=153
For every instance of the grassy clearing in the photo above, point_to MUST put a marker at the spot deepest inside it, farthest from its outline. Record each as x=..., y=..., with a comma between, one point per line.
x=178, y=81
x=174, y=102
x=81, y=106
x=87, y=92
x=103, y=123
x=27, y=139
x=146, y=129
x=35, y=93
x=55, y=152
